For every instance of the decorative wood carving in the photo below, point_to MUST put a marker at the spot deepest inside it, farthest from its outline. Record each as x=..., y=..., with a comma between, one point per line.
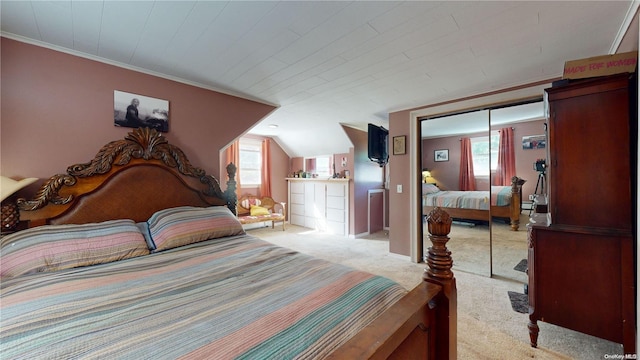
x=439, y=257
x=142, y=143
x=516, y=184
x=531, y=237
x=48, y=192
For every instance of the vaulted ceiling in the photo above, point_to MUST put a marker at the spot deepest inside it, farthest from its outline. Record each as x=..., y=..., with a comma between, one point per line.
x=326, y=63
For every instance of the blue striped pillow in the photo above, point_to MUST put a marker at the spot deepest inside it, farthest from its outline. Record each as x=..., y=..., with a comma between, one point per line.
x=56, y=247
x=170, y=228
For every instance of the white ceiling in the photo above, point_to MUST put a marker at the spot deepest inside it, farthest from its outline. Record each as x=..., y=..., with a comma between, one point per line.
x=326, y=63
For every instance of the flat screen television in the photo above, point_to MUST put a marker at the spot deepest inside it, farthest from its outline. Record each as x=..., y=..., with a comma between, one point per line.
x=378, y=144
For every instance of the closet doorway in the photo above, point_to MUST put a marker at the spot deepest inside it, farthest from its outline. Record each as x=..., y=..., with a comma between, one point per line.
x=472, y=141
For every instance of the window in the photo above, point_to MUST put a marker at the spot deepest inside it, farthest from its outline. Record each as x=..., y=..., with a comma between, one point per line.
x=250, y=162
x=485, y=154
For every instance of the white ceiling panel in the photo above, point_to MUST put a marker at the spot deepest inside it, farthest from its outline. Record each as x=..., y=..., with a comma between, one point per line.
x=403, y=13
x=181, y=46
x=19, y=18
x=120, y=29
x=264, y=50
x=305, y=16
x=284, y=78
x=163, y=23
x=330, y=62
x=86, y=35
x=55, y=22
x=257, y=73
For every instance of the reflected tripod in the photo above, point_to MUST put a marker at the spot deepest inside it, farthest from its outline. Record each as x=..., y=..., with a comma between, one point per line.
x=539, y=185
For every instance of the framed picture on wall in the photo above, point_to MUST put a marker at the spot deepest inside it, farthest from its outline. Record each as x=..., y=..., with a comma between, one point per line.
x=441, y=155
x=133, y=110
x=399, y=145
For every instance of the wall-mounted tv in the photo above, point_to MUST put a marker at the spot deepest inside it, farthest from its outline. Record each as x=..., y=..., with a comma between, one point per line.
x=378, y=144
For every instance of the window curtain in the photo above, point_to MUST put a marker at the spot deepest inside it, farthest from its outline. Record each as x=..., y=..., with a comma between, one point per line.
x=265, y=183
x=467, y=178
x=506, y=168
x=233, y=156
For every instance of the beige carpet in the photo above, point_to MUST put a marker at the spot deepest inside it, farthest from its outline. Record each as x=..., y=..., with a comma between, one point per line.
x=488, y=328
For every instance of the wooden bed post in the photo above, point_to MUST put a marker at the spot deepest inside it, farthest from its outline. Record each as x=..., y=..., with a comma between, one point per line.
x=423, y=324
x=439, y=264
x=516, y=201
x=230, y=192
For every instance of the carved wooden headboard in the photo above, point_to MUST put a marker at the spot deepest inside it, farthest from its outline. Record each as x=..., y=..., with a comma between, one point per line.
x=127, y=179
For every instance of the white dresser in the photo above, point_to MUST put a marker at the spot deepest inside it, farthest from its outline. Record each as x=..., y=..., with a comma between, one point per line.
x=320, y=204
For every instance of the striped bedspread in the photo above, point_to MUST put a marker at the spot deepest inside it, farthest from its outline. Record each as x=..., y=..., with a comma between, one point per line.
x=230, y=298
x=499, y=196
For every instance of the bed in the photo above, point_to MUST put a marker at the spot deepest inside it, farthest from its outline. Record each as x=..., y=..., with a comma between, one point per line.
x=139, y=254
x=500, y=202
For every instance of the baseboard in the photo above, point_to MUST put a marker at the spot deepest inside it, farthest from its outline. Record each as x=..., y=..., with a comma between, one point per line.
x=366, y=233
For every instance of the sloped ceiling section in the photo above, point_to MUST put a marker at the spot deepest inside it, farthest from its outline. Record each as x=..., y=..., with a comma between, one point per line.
x=329, y=62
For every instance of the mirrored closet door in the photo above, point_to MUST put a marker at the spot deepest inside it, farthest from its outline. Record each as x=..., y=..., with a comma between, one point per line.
x=463, y=162
x=446, y=150
x=519, y=140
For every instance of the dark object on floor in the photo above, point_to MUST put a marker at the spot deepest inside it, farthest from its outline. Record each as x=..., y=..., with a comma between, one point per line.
x=522, y=265
x=519, y=302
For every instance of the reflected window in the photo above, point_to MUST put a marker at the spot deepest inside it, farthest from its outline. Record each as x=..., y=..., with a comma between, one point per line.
x=484, y=150
x=323, y=166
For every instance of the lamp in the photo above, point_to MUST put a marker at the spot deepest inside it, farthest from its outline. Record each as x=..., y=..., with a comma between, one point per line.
x=427, y=178
x=10, y=213
x=425, y=174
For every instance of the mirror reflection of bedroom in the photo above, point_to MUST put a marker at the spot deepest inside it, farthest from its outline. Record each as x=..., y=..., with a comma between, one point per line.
x=469, y=160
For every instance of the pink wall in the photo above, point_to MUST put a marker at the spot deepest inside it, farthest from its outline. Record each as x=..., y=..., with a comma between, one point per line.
x=297, y=164
x=279, y=171
x=399, y=203
x=340, y=169
x=57, y=110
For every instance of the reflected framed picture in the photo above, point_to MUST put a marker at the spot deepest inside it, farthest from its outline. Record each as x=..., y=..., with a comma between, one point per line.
x=441, y=155
x=399, y=145
x=534, y=142
x=133, y=110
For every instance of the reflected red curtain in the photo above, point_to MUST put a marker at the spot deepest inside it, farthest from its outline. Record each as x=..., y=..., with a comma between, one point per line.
x=467, y=178
x=506, y=158
x=232, y=155
x=265, y=183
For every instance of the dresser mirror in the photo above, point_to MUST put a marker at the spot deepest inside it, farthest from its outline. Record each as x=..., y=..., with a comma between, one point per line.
x=319, y=166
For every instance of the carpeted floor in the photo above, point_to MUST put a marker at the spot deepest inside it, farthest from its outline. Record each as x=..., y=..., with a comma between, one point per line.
x=488, y=326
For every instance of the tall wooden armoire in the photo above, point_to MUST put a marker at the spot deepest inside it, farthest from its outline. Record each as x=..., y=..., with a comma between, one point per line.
x=582, y=266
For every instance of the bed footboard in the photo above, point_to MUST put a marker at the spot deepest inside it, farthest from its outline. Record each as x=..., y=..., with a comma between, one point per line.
x=512, y=211
x=423, y=324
